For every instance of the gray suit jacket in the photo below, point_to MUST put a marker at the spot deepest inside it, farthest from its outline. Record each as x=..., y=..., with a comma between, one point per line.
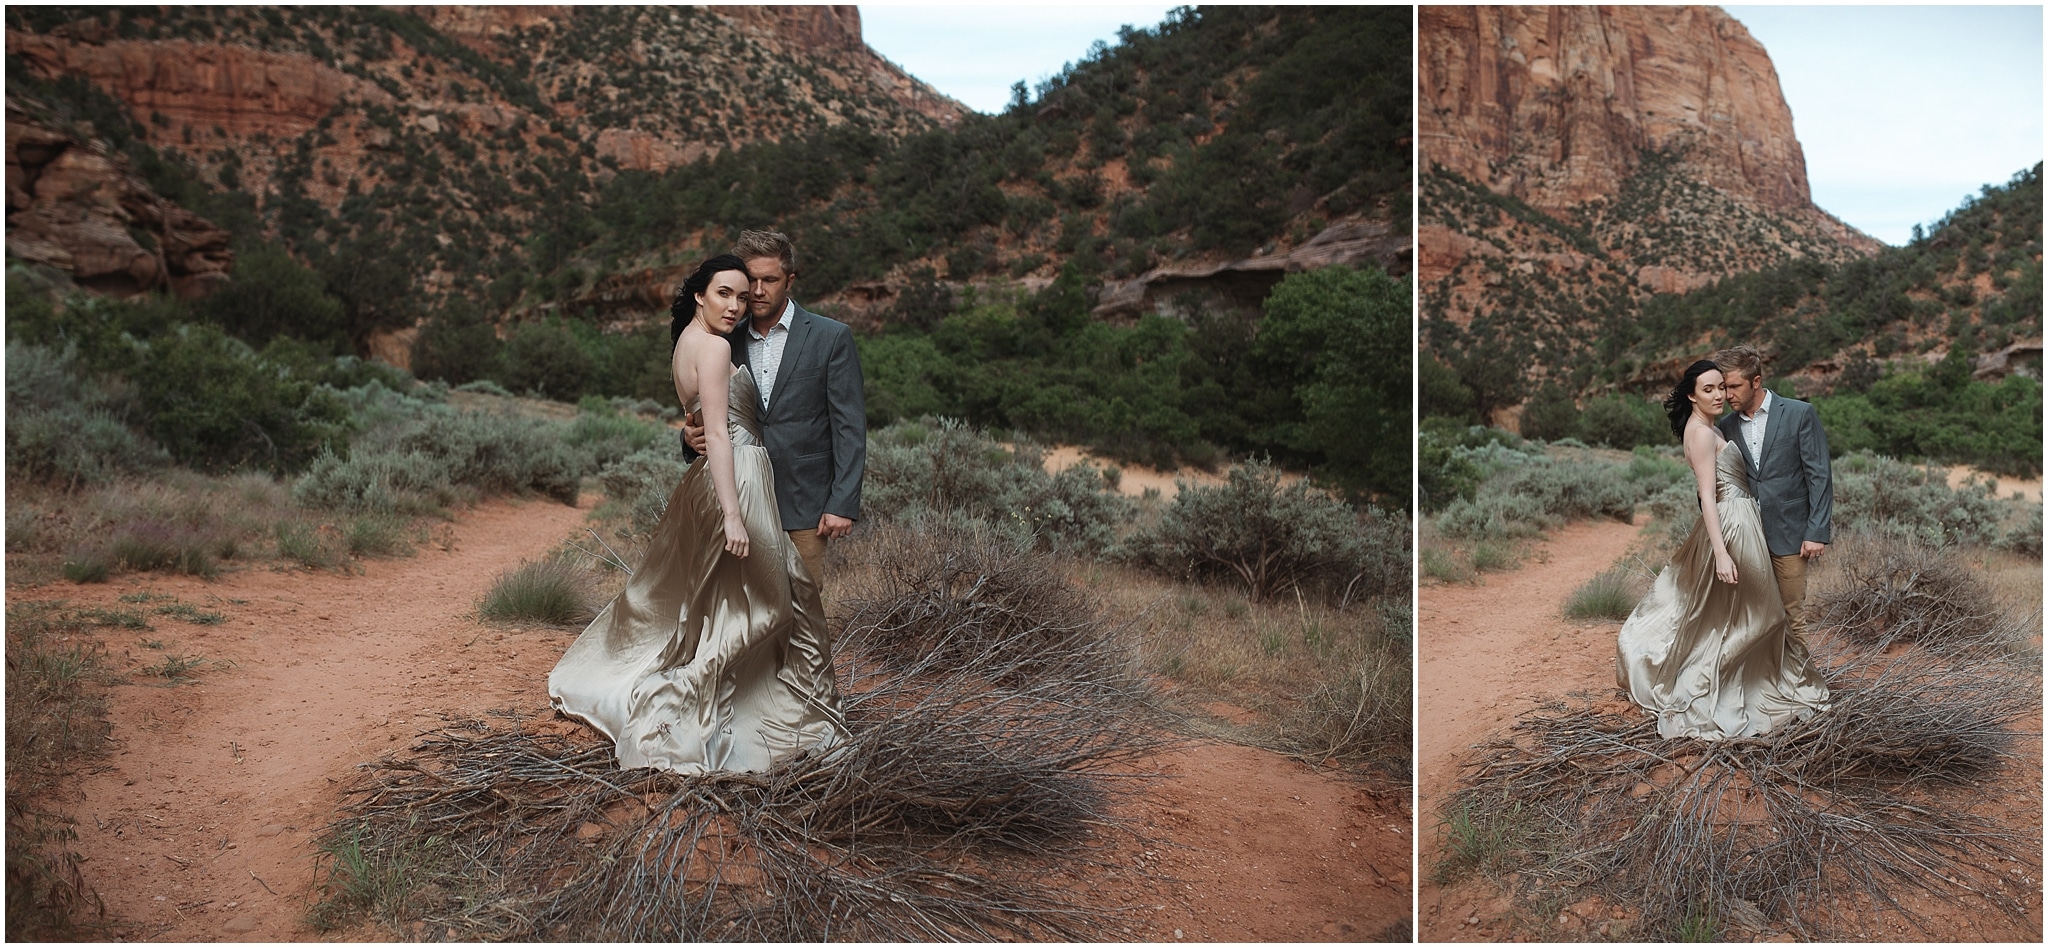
x=1794, y=487
x=816, y=424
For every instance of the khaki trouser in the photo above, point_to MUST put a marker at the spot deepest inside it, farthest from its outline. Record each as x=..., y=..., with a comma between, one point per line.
x=811, y=547
x=1791, y=574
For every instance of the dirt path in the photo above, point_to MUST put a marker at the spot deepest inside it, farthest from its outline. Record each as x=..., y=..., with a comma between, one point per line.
x=1485, y=653
x=1488, y=652
x=200, y=826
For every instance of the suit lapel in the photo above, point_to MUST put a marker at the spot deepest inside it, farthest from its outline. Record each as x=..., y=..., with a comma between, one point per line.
x=799, y=333
x=1779, y=427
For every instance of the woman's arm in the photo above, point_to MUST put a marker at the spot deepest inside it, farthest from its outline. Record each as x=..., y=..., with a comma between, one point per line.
x=711, y=357
x=1699, y=453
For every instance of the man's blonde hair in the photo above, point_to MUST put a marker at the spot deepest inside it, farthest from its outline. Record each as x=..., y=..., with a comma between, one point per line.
x=1744, y=360
x=766, y=243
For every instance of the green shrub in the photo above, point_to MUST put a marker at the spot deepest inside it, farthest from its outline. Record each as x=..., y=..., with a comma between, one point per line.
x=272, y=295
x=214, y=404
x=1879, y=496
x=377, y=534
x=62, y=429
x=948, y=472
x=1253, y=532
x=458, y=345
x=1622, y=421
x=303, y=543
x=643, y=481
x=545, y=359
x=440, y=456
x=549, y=591
x=1529, y=494
x=2024, y=536
x=602, y=435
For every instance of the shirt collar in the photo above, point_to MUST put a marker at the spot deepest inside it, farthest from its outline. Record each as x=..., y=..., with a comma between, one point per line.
x=781, y=325
x=1763, y=407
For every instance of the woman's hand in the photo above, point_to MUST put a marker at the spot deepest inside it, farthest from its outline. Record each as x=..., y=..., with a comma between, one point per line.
x=736, y=535
x=1724, y=568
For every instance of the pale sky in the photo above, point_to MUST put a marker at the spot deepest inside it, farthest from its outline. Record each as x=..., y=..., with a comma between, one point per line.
x=975, y=52
x=1903, y=110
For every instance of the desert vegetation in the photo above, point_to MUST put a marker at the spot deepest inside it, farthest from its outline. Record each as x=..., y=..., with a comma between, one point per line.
x=1898, y=800
x=1887, y=347
x=1052, y=602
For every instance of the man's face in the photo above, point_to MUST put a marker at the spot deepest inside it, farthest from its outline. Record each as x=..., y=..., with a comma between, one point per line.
x=767, y=287
x=1744, y=394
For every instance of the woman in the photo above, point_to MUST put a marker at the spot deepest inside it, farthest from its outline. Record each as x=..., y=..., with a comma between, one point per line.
x=1705, y=651
x=715, y=655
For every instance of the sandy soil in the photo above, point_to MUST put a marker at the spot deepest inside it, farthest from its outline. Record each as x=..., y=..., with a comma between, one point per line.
x=2029, y=489
x=200, y=826
x=1488, y=652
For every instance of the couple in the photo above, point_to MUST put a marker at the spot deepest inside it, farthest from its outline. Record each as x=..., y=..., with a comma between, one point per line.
x=1718, y=648
x=715, y=656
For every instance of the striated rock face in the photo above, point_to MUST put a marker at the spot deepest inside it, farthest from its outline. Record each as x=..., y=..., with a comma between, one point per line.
x=1553, y=104
x=241, y=90
x=1577, y=161
x=73, y=207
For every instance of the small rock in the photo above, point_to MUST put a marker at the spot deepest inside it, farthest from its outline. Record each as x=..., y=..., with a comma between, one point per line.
x=1401, y=878
x=1177, y=811
x=1472, y=919
x=1640, y=791
x=271, y=830
x=1177, y=934
x=239, y=926
x=589, y=831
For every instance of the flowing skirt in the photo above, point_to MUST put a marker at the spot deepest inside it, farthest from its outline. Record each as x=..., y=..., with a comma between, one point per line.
x=707, y=661
x=1712, y=660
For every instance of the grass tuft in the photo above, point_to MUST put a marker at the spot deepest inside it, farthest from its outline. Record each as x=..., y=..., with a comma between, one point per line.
x=549, y=590
x=1610, y=595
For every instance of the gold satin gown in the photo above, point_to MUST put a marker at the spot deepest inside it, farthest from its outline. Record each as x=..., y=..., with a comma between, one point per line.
x=1712, y=660
x=707, y=661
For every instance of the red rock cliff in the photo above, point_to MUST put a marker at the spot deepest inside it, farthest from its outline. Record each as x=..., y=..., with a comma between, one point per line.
x=1553, y=104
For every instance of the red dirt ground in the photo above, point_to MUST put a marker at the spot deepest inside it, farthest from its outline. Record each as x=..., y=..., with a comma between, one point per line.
x=1490, y=651
x=200, y=825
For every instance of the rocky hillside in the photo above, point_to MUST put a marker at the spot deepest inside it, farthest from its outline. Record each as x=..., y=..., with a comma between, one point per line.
x=1209, y=155
x=1578, y=161
x=571, y=161
x=442, y=148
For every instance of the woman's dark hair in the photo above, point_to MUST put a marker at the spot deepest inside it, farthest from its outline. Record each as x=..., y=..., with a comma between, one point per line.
x=1678, y=404
x=684, y=308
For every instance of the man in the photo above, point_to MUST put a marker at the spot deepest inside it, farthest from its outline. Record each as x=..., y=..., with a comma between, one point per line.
x=1787, y=452
x=814, y=412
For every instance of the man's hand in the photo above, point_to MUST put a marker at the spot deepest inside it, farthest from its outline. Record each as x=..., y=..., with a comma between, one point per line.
x=833, y=526
x=693, y=430
x=1809, y=550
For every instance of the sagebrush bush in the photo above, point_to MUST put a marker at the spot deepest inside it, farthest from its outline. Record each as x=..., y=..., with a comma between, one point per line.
x=63, y=429
x=643, y=481
x=951, y=474
x=1253, y=532
x=439, y=456
x=1878, y=496
x=1526, y=494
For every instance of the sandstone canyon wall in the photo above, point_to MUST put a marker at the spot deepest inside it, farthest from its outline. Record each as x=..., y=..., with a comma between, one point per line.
x=1577, y=160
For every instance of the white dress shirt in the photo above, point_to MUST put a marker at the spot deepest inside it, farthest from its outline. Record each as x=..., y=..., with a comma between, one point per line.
x=764, y=353
x=1753, y=428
